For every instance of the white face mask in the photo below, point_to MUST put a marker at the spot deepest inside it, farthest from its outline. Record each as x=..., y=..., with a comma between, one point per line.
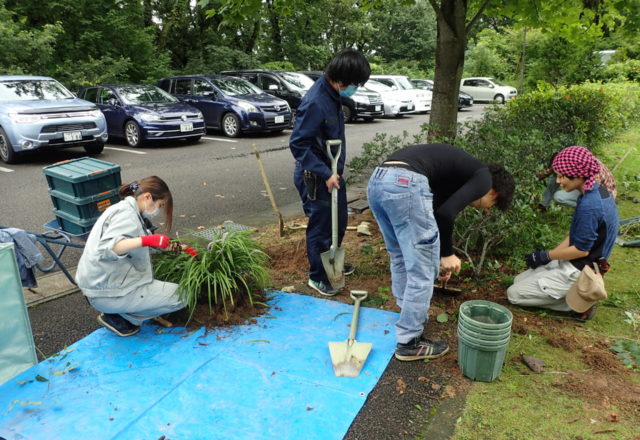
x=151, y=214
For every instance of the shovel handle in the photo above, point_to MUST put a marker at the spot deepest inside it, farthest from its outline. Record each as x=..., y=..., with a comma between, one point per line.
x=334, y=192
x=358, y=296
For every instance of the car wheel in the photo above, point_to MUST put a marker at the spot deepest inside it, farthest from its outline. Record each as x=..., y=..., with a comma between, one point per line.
x=230, y=125
x=132, y=134
x=499, y=99
x=348, y=113
x=95, y=148
x=6, y=151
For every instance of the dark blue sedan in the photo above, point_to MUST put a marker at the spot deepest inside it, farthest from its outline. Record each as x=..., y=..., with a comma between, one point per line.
x=140, y=113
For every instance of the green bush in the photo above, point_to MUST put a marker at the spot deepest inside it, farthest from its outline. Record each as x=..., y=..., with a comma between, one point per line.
x=228, y=268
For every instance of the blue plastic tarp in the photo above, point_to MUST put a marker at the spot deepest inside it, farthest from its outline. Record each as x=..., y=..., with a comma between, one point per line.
x=269, y=380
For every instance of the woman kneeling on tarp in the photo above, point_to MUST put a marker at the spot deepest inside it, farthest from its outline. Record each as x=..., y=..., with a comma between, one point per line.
x=115, y=271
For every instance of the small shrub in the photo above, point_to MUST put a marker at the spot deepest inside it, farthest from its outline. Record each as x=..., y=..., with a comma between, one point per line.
x=226, y=267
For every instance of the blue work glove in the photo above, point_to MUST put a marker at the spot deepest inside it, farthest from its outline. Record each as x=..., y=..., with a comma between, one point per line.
x=537, y=259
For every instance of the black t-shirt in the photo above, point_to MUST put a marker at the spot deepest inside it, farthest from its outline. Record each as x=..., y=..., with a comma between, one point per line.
x=456, y=179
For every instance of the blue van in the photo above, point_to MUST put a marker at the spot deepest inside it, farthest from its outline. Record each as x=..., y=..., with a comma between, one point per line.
x=38, y=112
x=232, y=105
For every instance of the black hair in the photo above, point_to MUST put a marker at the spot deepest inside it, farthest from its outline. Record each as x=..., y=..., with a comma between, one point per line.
x=348, y=67
x=502, y=183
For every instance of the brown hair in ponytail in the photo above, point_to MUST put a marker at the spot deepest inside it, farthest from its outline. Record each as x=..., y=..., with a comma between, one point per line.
x=159, y=191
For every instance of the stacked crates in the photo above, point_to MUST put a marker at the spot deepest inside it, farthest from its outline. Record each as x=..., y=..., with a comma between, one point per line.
x=81, y=189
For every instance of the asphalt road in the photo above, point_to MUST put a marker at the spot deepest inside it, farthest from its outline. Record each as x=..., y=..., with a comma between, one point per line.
x=214, y=180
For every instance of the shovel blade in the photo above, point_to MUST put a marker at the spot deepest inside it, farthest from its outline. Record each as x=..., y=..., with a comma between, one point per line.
x=348, y=357
x=334, y=266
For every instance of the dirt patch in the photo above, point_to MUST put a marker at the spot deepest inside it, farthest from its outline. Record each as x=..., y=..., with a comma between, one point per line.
x=603, y=390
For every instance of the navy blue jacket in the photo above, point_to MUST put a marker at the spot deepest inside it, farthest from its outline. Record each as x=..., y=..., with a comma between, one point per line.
x=319, y=119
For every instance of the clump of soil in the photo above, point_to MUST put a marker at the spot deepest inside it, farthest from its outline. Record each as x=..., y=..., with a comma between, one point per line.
x=238, y=313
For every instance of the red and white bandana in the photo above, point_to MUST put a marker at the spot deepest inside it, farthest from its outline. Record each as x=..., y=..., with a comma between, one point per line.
x=577, y=162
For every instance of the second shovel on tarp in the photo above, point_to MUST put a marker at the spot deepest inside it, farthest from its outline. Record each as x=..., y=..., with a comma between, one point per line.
x=348, y=357
x=333, y=259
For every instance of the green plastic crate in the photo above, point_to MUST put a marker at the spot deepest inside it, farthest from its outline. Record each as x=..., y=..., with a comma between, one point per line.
x=73, y=224
x=83, y=177
x=84, y=207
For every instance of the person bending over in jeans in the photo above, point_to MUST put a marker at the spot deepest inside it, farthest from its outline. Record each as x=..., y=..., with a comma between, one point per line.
x=415, y=196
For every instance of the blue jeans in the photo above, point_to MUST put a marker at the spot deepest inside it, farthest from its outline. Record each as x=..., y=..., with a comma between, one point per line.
x=319, y=224
x=402, y=204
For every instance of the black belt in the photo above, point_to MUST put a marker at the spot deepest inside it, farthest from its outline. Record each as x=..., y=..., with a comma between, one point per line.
x=403, y=166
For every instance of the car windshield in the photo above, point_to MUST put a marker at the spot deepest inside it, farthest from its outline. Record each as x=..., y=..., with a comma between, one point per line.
x=377, y=86
x=299, y=80
x=32, y=90
x=405, y=83
x=136, y=95
x=236, y=86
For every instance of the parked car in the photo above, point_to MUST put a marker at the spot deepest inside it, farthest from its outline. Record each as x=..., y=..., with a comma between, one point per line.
x=396, y=102
x=38, y=112
x=140, y=113
x=421, y=98
x=290, y=86
x=487, y=89
x=230, y=104
x=464, y=100
x=365, y=104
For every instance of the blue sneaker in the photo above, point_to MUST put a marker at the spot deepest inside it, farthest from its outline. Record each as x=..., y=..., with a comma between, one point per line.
x=322, y=288
x=118, y=324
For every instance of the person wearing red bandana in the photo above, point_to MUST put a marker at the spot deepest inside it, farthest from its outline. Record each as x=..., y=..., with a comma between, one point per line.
x=592, y=234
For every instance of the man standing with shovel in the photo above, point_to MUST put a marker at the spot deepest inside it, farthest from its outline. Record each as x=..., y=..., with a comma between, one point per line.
x=415, y=196
x=319, y=119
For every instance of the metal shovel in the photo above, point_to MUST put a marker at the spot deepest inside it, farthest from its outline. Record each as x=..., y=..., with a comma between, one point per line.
x=333, y=259
x=349, y=356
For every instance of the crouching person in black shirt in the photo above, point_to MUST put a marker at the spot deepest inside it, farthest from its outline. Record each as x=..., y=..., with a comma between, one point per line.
x=415, y=196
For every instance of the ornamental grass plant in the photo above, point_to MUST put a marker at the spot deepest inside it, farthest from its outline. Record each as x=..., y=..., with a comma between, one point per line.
x=227, y=269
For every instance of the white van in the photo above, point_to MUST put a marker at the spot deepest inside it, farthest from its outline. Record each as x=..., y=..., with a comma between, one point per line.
x=421, y=98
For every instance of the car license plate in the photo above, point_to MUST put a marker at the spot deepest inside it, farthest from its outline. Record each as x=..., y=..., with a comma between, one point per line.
x=72, y=136
x=410, y=107
x=187, y=126
x=377, y=108
x=279, y=119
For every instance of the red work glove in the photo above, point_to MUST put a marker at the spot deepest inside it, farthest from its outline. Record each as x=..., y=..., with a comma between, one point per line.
x=191, y=251
x=156, y=240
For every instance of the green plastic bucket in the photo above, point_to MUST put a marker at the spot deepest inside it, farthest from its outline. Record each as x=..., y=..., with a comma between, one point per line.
x=484, y=330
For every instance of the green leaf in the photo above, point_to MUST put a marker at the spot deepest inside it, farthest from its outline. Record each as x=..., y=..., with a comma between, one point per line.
x=442, y=317
x=41, y=379
x=418, y=407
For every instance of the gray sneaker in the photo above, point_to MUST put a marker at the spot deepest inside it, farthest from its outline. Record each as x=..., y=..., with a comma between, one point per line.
x=322, y=288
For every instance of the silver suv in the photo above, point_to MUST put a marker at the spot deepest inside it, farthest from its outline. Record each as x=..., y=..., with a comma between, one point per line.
x=38, y=112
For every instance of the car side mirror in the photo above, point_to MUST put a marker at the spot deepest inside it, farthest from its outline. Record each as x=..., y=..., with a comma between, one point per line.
x=273, y=87
x=113, y=102
x=491, y=86
x=209, y=94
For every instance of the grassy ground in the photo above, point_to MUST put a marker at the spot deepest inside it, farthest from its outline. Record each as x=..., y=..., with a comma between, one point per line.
x=574, y=398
